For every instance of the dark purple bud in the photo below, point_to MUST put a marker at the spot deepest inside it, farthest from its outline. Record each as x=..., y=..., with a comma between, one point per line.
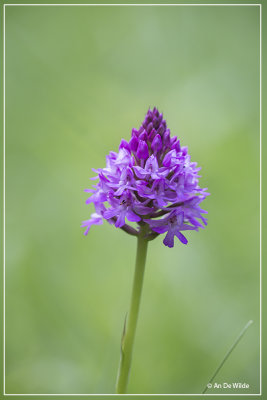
x=173, y=140
x=124, y=145
x=133, y=143
x=161, y=129
x=157, y=143
x=155, y=112
x=134, y=132
x=149, y=127
x=175, y=145
x=152, y=135
x=147, y=120
x=143, y=136
x=156, y=123
x=142, y=150
x=166, y=138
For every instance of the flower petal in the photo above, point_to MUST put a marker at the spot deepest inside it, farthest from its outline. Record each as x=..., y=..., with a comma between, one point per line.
x=181, y=237
x=169, y=239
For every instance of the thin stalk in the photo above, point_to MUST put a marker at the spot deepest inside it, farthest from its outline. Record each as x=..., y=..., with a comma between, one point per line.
x=128, y=335
x=239, y=337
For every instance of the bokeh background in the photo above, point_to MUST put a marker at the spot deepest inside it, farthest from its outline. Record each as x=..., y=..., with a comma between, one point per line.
x=77, y=80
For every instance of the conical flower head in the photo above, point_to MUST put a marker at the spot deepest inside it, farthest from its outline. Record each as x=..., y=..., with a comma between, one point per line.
x=150, y=180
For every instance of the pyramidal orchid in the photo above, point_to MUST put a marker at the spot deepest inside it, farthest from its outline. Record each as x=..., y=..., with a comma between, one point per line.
x=152, y=183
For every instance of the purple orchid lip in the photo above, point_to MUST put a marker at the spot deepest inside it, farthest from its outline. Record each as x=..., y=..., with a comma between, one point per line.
x=151, y=180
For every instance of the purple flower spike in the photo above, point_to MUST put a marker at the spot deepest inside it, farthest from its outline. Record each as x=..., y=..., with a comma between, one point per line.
x=152, y=181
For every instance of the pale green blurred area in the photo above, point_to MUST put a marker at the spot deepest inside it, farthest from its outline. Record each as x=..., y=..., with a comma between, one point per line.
x=77, y=80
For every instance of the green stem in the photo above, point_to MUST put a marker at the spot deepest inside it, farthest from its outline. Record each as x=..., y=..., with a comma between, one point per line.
x=128, y=335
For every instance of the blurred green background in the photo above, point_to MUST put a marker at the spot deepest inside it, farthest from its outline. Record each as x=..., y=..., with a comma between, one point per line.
x=77, y=80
